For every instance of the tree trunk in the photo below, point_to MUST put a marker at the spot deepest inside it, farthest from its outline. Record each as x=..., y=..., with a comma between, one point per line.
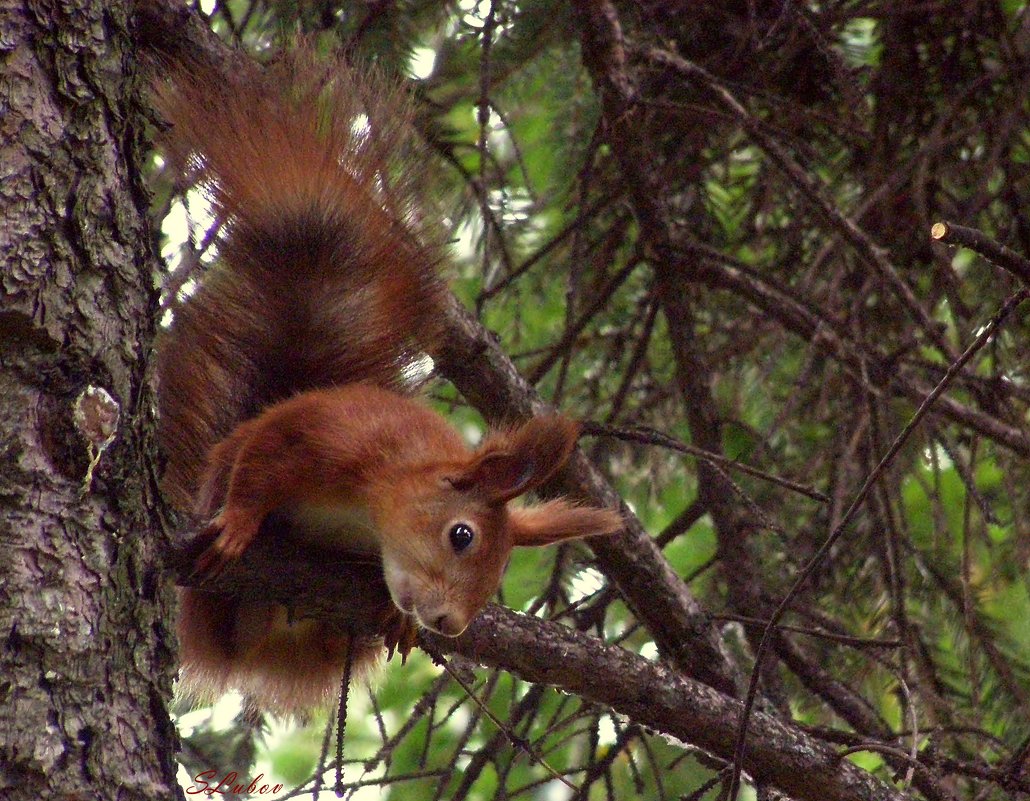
x=87, y=661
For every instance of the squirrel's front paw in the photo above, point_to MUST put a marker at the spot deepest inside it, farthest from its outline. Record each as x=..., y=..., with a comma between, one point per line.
x=230, y=541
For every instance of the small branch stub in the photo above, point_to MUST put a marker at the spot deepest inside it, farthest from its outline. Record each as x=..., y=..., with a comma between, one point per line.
x=96, y=418
x=981, y=243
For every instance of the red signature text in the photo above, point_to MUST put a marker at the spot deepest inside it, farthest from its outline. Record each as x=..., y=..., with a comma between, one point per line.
x=230, y=784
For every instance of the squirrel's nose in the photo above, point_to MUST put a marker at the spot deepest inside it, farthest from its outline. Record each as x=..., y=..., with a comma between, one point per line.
x=447, y=624
x=440, y=624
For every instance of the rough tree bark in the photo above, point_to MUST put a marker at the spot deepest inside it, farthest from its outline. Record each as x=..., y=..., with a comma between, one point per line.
x=86, y=659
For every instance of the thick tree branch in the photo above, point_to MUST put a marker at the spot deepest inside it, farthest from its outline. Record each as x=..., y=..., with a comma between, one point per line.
x=322, y=585
x=654, y=696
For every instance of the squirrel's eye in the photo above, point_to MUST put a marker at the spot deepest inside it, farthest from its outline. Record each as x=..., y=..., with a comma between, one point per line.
x=461, y=537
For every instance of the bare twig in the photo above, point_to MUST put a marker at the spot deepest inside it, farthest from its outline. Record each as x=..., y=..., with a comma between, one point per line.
x=649, y=436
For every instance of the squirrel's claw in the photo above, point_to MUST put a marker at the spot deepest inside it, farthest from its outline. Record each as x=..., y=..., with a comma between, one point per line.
x=209, y=565
x=399, y=634
x=216, y=557
x=408, y=639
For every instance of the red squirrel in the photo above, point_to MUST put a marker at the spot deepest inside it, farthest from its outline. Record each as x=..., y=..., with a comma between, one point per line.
x=282, y=379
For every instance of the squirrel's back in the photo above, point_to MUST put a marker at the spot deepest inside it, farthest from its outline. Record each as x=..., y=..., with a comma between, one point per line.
x=326, y=273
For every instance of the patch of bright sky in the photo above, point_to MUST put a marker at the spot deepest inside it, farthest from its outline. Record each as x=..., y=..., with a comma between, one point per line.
x=174, y=227
x=649, y=651
x=473, y=12
x=473, y=433
x=422, y=63
x=554, y=790
x=517, y=204
x=606, y=730
x=361, y=126
x=195, y=212
x=938, y=456
x=221, y=715
x=466, y=236
x=585, y=583
x=418, y=370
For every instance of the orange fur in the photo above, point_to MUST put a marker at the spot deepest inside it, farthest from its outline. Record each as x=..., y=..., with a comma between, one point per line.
x=287, y=666
x=281, y=380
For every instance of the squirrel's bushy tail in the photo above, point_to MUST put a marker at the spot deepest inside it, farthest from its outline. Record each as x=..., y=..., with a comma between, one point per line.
x=326, y=272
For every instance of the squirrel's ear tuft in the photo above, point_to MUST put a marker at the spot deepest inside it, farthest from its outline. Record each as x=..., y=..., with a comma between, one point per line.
x=560, y=520
x=510, y=463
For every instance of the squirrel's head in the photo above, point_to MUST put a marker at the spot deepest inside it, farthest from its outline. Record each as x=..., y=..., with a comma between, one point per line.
x=448, y=529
